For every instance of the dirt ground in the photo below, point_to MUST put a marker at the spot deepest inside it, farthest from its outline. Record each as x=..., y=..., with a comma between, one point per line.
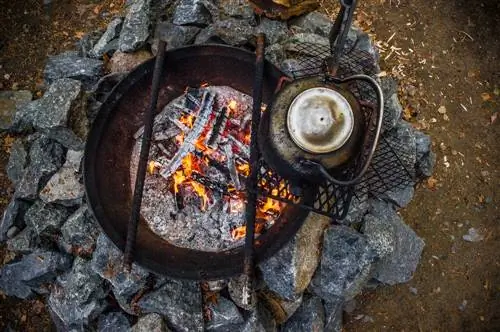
x=445, y=55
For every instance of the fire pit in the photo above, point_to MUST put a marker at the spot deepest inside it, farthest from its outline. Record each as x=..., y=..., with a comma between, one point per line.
x=111, y=144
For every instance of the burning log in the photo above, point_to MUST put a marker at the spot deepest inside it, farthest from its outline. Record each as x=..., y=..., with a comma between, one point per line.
x=218, y=128
x=231, y=165
x=245, y=150
x=188, y=145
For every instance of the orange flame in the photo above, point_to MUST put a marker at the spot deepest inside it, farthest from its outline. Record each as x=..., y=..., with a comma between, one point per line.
x=244, y=169
x=233, y=104
x=240, y=232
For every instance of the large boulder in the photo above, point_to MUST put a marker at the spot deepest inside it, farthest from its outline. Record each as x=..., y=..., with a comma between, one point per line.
x=136, y=26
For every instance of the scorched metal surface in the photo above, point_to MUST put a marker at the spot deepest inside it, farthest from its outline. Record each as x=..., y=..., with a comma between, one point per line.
x=107, y=158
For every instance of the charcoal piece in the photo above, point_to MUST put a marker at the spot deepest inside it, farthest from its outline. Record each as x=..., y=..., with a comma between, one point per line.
x=289, y=271
x=191, y=12
x=25, y=241
x=107, y=261
x=123, y=62
x=60, y=114
x=46, y=218
x=111, y=33
x=345, y=264
x=17, y=161
x=65, y=187
x=70, y=65
x=45, y=158
x=13, y=216
x=113, y=322
x=150, y=323
x=175, y=35
x=309, y=317
x=425, y=157
x=333, y=314
x=78, y=297
x=240, y=9
x=87, y=43
x=231, y=31
x=274, y=30
x=136, y=26
x=179, y=301
x=80, y=232
x=9, y=102
x=398, y=265
x=224, y=313
x=313, y=22
x=260, y=320
x=22, y=278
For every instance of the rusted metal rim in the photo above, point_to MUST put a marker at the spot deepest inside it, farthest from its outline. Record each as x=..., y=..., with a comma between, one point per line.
x=107, y=159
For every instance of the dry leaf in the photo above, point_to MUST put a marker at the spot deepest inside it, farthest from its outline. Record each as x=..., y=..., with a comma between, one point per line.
x=79, y=34
x=493, y=117
x=486, y=96
x=97, y=9
x=431, y=183
x=442, y=110
x=407, y=113
x=7, y=143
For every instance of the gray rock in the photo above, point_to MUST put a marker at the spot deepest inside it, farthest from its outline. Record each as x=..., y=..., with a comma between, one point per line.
x=25, y=242
x=45, y=158
x=363, y=42
x=17, y=161
x=231, y=31
x=191, y=12
x=289, y=271
x=23, y=277
x=291, y=67
x=65, y=187
x=392, y=106
x=150, y=323
x=80, y=232
x=295, y=43
x=309, y=317
x=87, y=43
x=402, y=140
x=175, y=35
x=275, y=31
x=380, y=235
x=240, y=9
x=60, y=114
x=12, y=231
x=396, y=266
x=179, y=301
x=112, y=32
x=275, y=54
x=71, y=65
x=313, y=22
x=46, y=218
x=282, y=309
x=223, y=314
x=235, y=287
x=13, y=216
x=136, y=26
x=9, y=102
x=107, y=261
x=345, y=264
x=473, y=235
x=358, y=207
x=260, y=320
x=113, y=322
x=123, y=62
x=426, y=159
x=333, y=314
x=78, y=297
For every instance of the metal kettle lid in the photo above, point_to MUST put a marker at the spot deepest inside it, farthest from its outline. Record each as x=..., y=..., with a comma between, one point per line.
x=320, y=120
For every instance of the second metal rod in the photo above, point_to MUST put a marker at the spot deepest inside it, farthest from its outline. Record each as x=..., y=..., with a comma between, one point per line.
x=149, y=116
x=250, y=211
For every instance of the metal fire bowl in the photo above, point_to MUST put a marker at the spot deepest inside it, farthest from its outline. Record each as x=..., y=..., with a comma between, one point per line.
x=109, y=145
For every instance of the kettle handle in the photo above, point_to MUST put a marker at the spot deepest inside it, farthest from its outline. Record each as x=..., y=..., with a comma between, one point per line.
x=373, y=147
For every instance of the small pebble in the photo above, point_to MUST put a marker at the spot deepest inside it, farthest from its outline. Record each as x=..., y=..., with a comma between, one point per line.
x=6, y=76
x=473, y=236
x=15, y=86
x=413, y=290
x=12, y=231
x=463, y=305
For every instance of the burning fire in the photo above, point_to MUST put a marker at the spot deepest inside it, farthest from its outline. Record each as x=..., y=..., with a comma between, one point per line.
x=194, y=165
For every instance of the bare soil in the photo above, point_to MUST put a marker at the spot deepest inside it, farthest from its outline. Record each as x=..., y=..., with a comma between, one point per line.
x=445, y=53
